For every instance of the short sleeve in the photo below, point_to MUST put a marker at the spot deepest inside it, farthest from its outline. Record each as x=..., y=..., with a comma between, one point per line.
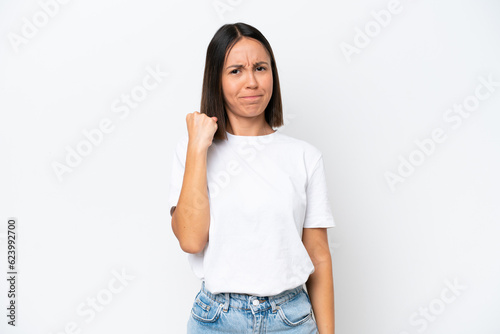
x=177, y=174
x=318, y=211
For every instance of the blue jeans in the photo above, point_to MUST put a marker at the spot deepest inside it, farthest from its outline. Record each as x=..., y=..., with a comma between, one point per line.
x=287, y=312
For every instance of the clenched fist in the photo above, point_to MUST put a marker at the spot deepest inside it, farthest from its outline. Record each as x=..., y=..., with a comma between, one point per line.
x=201, y=129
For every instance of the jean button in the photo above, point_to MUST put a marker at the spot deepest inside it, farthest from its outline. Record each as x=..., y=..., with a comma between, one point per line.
x=256, y=302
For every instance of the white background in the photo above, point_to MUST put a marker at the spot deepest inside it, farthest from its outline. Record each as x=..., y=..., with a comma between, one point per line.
x=393, y=248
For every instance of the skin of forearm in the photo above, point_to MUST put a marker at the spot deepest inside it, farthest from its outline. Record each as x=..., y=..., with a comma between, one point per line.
x=320, y=289
x=191, y=218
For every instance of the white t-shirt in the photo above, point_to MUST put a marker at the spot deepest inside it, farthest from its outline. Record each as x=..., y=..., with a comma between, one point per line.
x=263, y=190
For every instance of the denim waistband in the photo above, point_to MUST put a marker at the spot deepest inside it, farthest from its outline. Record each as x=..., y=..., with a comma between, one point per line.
x=245, y=301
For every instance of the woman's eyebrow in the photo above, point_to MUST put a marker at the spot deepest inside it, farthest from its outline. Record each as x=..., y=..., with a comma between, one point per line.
x=256, y=64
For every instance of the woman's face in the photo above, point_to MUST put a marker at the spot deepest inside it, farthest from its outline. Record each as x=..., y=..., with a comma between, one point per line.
x=247, y=79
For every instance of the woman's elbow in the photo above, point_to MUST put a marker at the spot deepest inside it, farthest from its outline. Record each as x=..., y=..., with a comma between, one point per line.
x=190, y=247
x=321, y=256
x=189, y=243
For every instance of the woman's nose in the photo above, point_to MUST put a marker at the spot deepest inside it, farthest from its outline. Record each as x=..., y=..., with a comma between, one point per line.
x=251, y=80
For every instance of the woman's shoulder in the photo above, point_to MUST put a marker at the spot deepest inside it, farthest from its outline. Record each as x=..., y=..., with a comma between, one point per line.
x=304, y=145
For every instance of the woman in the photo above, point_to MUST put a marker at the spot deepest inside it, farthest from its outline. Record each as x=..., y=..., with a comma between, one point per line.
x=248, y=203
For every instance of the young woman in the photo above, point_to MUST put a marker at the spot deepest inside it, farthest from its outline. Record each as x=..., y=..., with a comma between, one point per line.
x=249, y=203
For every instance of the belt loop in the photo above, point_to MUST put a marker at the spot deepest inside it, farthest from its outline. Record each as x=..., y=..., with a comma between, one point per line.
x=273, y=305
x=226, y=302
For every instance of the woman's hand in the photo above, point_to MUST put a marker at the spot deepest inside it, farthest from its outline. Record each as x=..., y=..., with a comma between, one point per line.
x=201, y=129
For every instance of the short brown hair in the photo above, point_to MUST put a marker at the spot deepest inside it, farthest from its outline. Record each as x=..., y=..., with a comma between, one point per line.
x=212, y=97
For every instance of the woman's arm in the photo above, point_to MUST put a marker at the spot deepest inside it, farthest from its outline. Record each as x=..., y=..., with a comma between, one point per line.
x=191, y=216
x=320, y=283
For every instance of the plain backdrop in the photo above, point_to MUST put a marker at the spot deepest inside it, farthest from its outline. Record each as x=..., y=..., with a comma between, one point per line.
x=380, y=96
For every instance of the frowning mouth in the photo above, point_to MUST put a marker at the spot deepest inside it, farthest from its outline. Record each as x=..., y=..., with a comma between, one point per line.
x=252, y=97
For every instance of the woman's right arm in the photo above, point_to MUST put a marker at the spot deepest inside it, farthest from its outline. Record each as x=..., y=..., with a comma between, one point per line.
x=191, y=216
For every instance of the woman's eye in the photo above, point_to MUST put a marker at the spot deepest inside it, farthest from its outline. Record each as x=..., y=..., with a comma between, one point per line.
x=261, y=68
x=235, y=71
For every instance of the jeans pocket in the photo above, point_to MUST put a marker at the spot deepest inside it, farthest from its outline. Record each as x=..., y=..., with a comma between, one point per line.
x=205, y=309
x=296, y=311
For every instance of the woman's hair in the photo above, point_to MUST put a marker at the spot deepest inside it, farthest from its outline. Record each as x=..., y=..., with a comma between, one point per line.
x=212, y=97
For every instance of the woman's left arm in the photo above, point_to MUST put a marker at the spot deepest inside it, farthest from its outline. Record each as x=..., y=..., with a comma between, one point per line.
x=320, y=283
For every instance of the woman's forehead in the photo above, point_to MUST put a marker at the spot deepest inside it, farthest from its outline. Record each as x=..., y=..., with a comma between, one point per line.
x=248, y=49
